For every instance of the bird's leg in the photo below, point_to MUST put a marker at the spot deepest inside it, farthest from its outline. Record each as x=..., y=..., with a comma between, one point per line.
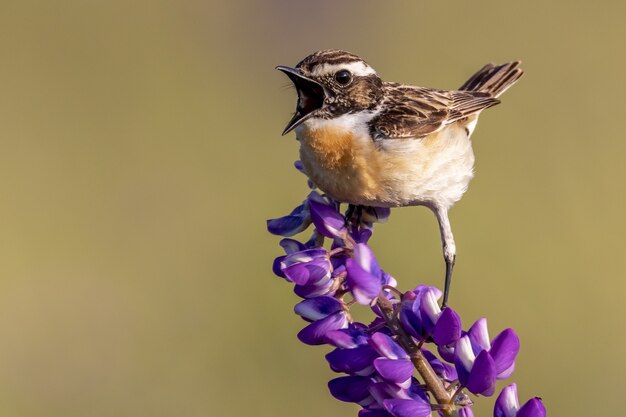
x=449, y=248
x=359, y=214
x=352, y=210
x=349, y=213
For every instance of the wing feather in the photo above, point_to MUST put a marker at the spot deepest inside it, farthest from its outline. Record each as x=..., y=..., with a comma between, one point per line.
x=414, y=112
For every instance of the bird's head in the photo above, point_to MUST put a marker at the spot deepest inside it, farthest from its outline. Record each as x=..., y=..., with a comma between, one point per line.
x=331, y=83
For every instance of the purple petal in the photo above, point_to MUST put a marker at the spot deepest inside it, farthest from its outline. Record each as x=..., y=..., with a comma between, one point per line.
x=507, y=372
x=407, y=408
x=318, y=307
x=306, y=255
x=448, y=328
x=389, y=280
x=464, y=358
x=359, y=360
x=482, y=378
x=415, y=392
x=380, y=392
x=352, y=389
x=533, y=408
x=479, y=336
x=374, y=413
x=506, y=404
x=420, y=289
x=296, y=222
x=392, y=370
x=364, y=256
x=277, y=266
x=411, y=322
x=307, y=273
x=466, y=412
x=315, y=333
x=429, y=310
x=364, y=286
x=443, y=370
x=323, y=287
x=387, y=347
x=446, y=352
x=347, y=338
x=361, y=235
x=298, y=165
x=326, y=219
x=504, y=349
x=291, y=246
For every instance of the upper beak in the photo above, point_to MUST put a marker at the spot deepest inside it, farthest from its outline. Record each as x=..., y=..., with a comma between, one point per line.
x=311, y=96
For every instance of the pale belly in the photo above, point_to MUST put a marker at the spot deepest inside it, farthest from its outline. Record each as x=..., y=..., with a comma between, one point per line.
x=351, y=168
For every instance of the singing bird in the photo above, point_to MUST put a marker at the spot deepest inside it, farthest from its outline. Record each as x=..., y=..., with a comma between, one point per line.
x=368, y=142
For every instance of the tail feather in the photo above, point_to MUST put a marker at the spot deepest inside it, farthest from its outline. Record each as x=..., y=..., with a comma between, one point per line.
x=494, y=79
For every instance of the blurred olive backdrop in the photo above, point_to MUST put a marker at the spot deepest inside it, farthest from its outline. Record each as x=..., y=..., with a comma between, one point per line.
x=141, y=153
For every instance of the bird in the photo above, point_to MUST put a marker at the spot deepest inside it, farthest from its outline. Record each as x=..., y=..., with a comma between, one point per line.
x=372, y=143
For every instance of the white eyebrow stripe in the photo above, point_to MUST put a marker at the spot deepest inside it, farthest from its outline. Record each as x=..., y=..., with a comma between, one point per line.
x=358, y=68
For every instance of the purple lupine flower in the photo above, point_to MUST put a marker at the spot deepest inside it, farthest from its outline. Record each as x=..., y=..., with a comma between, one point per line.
x=315, y=333
x=364, y=275
x=444, y=370
x=507, y=405
x=317, y=308
x=310, y=269
x=325, y=313
x=415, y=404
x=476, y=373
x=297, y=221
x=350, y=337
x=398, y=402
x=480, y=362
x=503, y=348
x=307, y=267
x=352, y=389
x=394, y=364
x=355, y=361
x=422, y=317
x=324, y=215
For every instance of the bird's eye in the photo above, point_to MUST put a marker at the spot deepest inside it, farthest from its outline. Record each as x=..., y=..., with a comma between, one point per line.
x=343, y=77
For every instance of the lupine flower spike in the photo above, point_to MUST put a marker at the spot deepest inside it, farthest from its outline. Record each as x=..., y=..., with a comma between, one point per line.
x=413, y=358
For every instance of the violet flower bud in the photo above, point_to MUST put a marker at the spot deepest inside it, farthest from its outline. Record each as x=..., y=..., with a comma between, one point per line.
x=507, y=405
x=325, y=217
x=364, y=275
x=503, y=348
x=297, y=221
x=480, y=362
x=352, y=389
x=422, y=317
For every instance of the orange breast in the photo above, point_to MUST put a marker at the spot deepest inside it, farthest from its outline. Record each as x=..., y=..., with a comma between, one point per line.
x=340, y=163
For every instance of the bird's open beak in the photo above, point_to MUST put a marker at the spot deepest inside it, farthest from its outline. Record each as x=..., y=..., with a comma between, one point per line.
x=311, y=96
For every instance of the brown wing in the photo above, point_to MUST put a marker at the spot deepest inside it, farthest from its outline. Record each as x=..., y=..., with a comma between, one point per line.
x=414, y=112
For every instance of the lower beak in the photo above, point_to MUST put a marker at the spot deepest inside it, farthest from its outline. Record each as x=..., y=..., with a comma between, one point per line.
x=311, y=96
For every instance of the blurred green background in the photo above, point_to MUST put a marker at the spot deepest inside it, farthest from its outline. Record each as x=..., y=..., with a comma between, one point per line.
x=141, y=153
